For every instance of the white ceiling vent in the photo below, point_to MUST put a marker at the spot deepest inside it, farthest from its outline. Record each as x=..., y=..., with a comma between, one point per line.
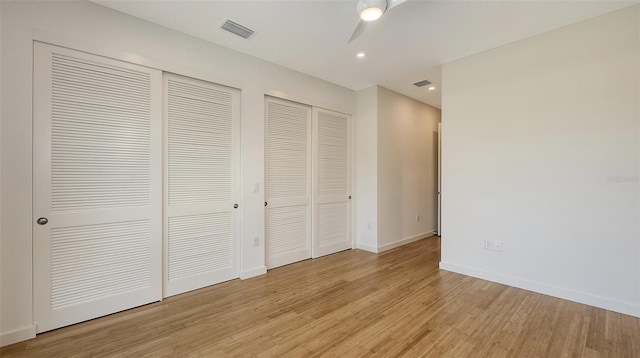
x=422, y=83
x=237, y=29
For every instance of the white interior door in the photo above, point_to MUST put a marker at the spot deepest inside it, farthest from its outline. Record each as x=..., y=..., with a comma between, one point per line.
x=97, y=179
x=202, y=174
x=332, y=182
x=288, y=182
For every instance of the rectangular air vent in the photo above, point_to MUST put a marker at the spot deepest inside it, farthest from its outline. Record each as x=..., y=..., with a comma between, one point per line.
x=422, y=83
x=237, y=29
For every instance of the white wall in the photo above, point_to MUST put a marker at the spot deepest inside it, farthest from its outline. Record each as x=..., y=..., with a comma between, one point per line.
x=92, y=28
x=541, y=151
x=366, y=169
x=407, y=139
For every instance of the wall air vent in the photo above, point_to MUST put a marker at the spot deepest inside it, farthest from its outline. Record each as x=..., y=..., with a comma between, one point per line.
x=237, y=29
x=422, y=83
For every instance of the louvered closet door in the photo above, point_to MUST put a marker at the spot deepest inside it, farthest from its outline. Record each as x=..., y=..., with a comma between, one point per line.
x=332, y=182
x=288, y=182
x=202, y=157
x=97, y=179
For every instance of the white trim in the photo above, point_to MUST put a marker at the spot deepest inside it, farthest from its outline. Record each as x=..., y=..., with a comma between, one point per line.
x=366, y=247
x=571, y=295
x=405, y=241
x=253, y=272
x=18, y=335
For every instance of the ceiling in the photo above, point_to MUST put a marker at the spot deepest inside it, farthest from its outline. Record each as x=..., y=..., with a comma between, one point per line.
x=409, y=43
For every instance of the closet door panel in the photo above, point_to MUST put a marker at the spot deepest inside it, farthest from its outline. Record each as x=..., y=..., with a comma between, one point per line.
x=288, y=182
x=97, y=200
x=201, y=176
x=332, y=178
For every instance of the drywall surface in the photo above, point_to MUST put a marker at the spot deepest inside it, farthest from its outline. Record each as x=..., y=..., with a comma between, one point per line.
x=541, y=152
x=93, y=28
x=407, y=166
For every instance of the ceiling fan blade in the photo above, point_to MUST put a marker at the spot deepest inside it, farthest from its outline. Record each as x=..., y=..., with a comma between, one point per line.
x=394, y=3
x=362, y=25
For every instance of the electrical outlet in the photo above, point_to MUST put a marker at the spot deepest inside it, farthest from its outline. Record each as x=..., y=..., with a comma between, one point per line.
x=256, y=241
x=488, y=245
x=498, y=246
x=417, y=217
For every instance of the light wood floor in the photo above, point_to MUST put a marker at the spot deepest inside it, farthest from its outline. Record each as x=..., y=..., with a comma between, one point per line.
x=351, y=304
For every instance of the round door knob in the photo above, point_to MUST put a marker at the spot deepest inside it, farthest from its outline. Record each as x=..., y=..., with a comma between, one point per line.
x=235, y=206
x=42, y=221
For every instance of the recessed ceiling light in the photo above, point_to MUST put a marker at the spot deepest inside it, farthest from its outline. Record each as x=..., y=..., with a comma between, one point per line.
x=432, y=88
x=360, y=54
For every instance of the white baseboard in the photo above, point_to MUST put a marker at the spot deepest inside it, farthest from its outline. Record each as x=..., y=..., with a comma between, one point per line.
x=18, y=335
x=575, y=296
x=253, y=272
x=366, y=247
x=404, y=241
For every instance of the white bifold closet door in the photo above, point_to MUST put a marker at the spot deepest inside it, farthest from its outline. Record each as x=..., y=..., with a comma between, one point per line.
x=97, y=186
x=202, y=175
x=288, y=182
x=332, y=182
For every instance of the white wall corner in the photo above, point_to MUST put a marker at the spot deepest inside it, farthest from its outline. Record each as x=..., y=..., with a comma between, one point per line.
x=575, y=296
x=17, y=335
x=365, y=169
x=393, y=245
x=253, y=272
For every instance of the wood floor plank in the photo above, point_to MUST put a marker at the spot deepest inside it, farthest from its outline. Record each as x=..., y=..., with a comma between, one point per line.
x=350, y=304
